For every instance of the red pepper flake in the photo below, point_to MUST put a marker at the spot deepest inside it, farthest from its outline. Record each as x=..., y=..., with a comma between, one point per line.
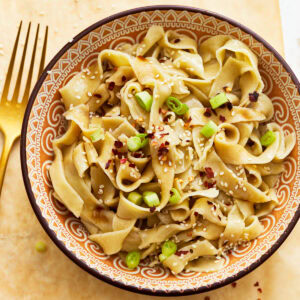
x=137, y=154
x=124, y=78
x=256, y=283
x=150, y=135
x=118, y=144
x=229, y=105
x=260, y=290
x=115, y=151
x=207, y=112
x=209, y=203
x=233, y=284
x=209, y=172
x=219, y=218
x=166, y=118
x=141, y=130
x=122, y=154
x=152, y=209
x=191, y=250
x=111, y=85
x=196, y=214
x=202, y=174
x=107, y=164
x=123, y=160
x=162, y=151
x=142, y=58
x=222, y=118
x=98, y=96
x=253, y=96
x=209, y=185
x=187, y=123
x=176, y=41
x=181, y=252
x=206, y=298
x=164, y=134
x=132, y=165
x=250, y=143
x=167, y=143
x=189, y=233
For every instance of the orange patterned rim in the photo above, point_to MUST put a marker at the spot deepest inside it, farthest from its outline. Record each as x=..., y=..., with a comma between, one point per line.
x=43, y=122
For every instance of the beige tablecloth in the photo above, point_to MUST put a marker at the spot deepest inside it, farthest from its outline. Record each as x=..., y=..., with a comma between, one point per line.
x=26, y=274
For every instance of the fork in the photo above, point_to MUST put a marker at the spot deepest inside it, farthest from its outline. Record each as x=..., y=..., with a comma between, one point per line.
x=12, y=111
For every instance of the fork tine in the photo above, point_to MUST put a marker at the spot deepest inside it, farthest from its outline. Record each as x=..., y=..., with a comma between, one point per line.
x=42, y=63
x=28, y=83
x=20, y=73
x=11, y=66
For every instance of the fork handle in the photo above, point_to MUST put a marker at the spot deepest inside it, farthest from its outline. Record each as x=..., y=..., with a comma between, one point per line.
x=8, y=142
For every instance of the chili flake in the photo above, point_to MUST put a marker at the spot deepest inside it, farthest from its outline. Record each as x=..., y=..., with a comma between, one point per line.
x=111, y=85
x=222, y=118
x=209, y=172
x=123, y=160
x=253, y=96
x=181, y=252
x=207, y=112
x=107, y=164
x=124, y=78
x=118, y=144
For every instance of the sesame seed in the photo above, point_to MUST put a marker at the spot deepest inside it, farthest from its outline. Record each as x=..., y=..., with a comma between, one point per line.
x=165, y=170
x=221, y=173
x=244, y=189
x=89, y=94
x=226, y=184
x=78, y=97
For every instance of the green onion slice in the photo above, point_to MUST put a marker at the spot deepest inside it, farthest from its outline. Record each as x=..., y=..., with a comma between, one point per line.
x=144, y=139
x=175, y=197
x=40, y=246
x=135, y=198
x=218, y=100
x=133, y=259
x=177, y=106
x=209, y=129
x=168, y=248
x=144, y=100
x=151, y=199
x=268, y=138
x=134, y=143
x=97, y=135
x=162, y=257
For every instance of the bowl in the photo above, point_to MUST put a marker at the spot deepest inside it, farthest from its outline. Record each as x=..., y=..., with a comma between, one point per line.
x=44, y=121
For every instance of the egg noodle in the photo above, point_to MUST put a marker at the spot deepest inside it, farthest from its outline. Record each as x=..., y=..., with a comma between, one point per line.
x=171, y=154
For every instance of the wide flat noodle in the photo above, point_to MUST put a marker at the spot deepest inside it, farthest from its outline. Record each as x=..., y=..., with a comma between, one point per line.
x=116, y=150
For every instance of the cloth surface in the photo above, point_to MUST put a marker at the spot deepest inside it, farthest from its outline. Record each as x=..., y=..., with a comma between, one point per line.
x=27, y=274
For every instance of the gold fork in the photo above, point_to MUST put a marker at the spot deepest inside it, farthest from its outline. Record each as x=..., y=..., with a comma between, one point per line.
x=11, y=111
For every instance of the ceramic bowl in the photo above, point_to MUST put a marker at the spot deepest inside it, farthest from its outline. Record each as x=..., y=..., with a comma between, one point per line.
x=44, y=121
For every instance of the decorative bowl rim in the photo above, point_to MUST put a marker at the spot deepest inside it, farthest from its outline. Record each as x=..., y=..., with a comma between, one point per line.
x=32, y=199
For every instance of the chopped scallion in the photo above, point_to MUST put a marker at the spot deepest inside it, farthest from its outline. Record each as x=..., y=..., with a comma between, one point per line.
x=151, y=199
x=209, y=129
x=218, y=100
x=177, y=106
x=40, y=246
x=133, y=259
x=144, y=140
x=97, y=135
x=175, y=196
x=144, y=100
x=135, y=198
x=268, y=138
x=168, y=248
x=134, y=143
